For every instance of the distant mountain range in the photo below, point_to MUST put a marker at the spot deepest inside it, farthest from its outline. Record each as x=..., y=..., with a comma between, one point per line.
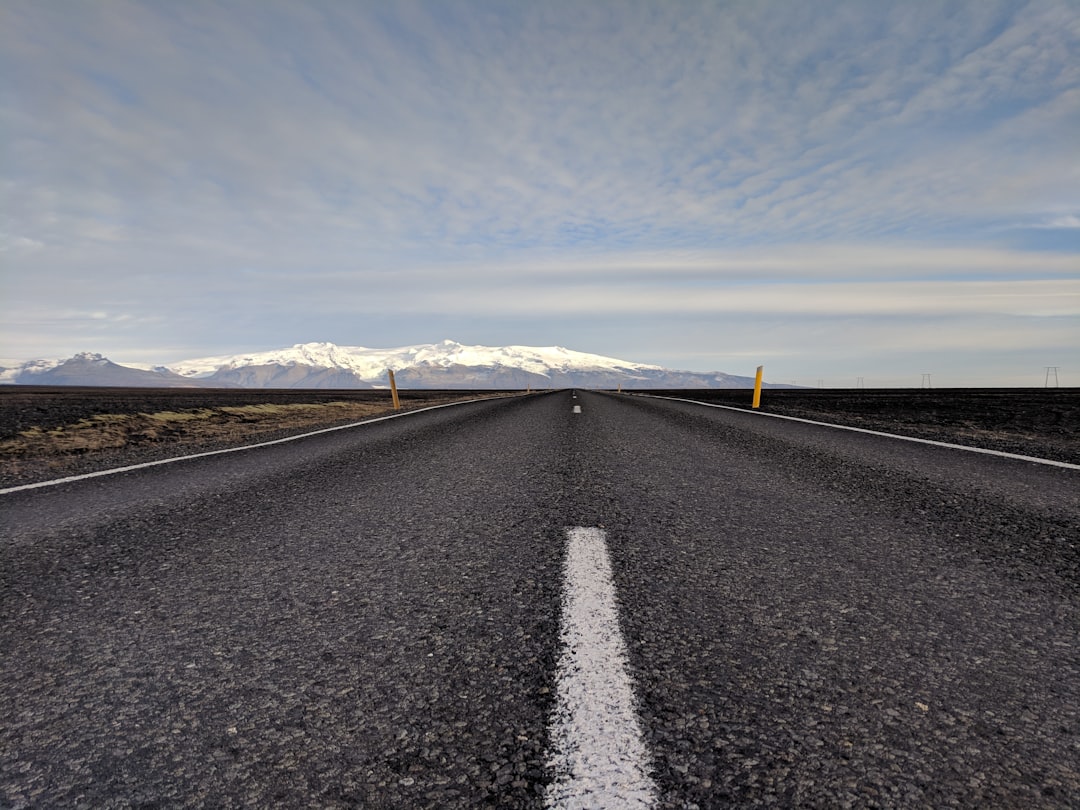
x=446, y=365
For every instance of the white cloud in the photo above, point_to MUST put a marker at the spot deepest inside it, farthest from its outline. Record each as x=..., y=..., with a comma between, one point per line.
x=1066, y=221
x=18, y=244
x=1018, y=298
x=644, y=125
x=305, y=158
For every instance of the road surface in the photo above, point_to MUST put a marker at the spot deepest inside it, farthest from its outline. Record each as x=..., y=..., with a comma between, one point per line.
x=376, y=617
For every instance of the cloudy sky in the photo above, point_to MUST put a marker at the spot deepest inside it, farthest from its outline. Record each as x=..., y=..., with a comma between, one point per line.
x=832, y=189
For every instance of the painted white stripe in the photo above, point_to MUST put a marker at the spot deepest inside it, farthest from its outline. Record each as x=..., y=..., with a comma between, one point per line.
x=1033, y=459
x=67, y=480
x=577, y=409
x=599, y=756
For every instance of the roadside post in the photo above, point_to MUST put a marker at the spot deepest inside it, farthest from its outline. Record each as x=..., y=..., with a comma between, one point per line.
x=757, y=387
x=393, y=390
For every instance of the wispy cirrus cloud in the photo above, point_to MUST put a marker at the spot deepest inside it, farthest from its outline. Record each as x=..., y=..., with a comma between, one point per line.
x=351, y=151
x=1066, y=221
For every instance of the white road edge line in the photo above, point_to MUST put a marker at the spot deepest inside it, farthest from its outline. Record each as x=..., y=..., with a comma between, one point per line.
x=1034, y=459
x=82, y=477
x=598, y=752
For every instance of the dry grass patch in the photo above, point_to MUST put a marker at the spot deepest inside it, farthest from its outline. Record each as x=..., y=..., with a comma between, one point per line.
x=201, y=425
x=189, y=428
x=173, y=417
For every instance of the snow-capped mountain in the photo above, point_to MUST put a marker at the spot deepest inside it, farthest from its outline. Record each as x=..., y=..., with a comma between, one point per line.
x=87, y=368
x=370, y=365
x=325, y=365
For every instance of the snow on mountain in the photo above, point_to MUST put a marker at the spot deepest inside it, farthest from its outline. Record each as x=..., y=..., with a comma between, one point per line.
x=88, y=368
x=11, y=374
x=325, y=365
x=371, y=364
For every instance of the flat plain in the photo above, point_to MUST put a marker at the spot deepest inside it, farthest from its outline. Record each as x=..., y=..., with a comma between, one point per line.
x=1040, y=422
x=48, y=432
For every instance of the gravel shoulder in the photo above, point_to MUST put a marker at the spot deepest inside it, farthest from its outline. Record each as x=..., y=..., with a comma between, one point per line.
x=1039, y=422
x=50, y=433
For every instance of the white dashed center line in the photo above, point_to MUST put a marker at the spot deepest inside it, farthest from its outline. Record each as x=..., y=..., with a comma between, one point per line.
x=599, y=757
x=577, y=409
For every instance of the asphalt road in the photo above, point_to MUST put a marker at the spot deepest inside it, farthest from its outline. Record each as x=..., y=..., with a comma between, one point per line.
x=370, y=618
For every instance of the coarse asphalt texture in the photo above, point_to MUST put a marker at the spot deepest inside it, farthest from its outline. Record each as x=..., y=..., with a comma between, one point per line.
x=370, y=618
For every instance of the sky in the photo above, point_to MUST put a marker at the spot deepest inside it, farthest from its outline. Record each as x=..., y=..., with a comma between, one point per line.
x=844, y=192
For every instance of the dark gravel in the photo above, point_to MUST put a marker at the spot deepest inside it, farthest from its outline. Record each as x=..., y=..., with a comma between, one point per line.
x=50, y=407
x=369, y=619
x=1039, y=422
x=25, y=406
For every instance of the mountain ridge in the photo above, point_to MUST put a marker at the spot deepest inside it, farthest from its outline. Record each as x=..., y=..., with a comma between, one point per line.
x=324, y=365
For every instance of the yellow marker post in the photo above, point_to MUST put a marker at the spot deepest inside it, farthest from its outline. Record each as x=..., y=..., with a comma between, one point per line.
x=757, y=387
x=393, y=391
